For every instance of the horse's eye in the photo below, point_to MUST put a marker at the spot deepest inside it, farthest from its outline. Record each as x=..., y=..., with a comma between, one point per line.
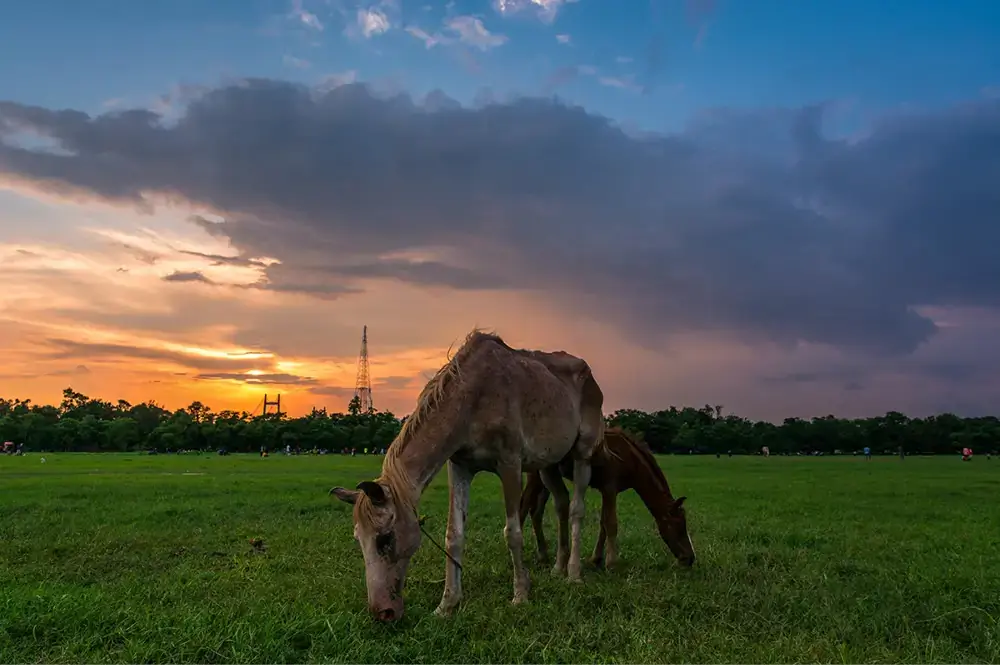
x=383, y=543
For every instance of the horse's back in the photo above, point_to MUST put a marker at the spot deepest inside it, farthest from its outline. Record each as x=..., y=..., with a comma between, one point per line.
x=549, y=399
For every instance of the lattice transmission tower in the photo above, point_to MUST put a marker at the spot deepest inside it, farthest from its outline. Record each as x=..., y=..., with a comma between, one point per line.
x=363, y=384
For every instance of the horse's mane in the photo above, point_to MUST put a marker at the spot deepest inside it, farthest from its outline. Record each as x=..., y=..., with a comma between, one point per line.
x=432, y=394
x=626, y=441
x=428, y=401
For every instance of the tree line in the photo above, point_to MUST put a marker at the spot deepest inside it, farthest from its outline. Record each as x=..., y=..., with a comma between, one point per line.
x=84, y=424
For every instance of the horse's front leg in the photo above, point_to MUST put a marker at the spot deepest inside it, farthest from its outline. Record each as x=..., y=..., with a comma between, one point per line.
x=459, y=481
x=510, y=478
x=577, y=511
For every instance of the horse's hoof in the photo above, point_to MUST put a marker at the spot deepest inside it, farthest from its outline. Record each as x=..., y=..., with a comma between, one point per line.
x=519, y=599
x=445, y=610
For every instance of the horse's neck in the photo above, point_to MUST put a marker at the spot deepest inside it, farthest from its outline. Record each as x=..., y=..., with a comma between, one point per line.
x=651, y=492
x=428, y=449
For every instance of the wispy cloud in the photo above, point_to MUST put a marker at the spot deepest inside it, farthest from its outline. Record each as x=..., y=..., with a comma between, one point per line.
x=372, y=21
x=700, y=13
x=304, y=17
x=564, y=75
x=471, y=31
x=563, y=39
x=193, y=276
x=545, y=10
x=297, y=63
x=622, y=82
x=258, y=377
x=467, y=30
x=429, y=40
x=331, y=81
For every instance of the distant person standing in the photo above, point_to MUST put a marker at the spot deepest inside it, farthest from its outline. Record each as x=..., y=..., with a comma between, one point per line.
x=868, y=453
x=966, y=454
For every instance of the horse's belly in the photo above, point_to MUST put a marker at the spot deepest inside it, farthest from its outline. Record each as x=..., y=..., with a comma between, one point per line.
x=540, y=452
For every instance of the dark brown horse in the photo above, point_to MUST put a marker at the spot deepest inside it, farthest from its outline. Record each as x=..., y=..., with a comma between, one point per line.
x=620, y=462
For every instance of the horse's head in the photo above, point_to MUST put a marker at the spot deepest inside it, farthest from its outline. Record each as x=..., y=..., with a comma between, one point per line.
x=389, y=535
x=672, y=523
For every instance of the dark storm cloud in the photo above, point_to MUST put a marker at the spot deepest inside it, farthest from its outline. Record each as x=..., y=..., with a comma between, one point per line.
x=428, y=273
x=750, y=222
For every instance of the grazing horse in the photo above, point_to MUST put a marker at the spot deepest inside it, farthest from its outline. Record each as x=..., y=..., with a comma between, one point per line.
x=620, y=462
x=489, y=408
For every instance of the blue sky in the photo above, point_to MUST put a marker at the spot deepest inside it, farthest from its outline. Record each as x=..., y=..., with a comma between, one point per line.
x=759, y=53
x=802, y=227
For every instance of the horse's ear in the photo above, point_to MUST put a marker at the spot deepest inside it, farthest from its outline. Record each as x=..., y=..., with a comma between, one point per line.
x=679, y=502
x=374, y=491
x=345, y=495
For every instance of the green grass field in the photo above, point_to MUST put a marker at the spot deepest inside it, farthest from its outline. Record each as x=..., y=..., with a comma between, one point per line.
x=127, y=558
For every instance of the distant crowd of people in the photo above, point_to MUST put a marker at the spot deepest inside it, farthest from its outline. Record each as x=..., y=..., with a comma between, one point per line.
x=10, y=449
x=321, y=451
x=866, y=452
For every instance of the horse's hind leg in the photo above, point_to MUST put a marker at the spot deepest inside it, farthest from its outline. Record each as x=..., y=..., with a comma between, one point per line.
x=583, y=450
x=577, y=511
x=510, y=478
x=537, y=517
x=597, y=558
x=533, y=500
x=554, y=483
x=609, y=523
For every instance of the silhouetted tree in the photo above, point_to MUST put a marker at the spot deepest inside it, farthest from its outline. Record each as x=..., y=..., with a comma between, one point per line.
x=80, y=423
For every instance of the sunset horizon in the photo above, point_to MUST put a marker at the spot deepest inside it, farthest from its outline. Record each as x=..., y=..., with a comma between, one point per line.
x=208, y=203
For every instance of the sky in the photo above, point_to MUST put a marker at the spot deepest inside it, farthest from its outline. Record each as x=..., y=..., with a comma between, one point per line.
x=787, y=209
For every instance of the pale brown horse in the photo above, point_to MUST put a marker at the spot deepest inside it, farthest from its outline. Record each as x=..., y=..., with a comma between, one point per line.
x=490, y=408
x=620, y=462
